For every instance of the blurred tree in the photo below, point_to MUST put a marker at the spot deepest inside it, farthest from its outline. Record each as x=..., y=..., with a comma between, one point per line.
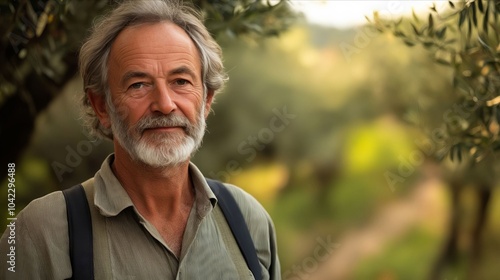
x=40, y=40
x=465, y=38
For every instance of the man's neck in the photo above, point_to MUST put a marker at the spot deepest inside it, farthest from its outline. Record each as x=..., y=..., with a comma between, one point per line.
x=156, y=192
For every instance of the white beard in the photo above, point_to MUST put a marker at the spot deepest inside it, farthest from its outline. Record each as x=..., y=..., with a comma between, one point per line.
x=160, y=149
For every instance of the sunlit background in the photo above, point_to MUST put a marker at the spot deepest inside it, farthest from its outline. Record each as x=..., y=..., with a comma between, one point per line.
x=349, y=14
x=319, y=125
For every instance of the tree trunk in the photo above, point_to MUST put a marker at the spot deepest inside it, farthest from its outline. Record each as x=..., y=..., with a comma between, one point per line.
x=19, y=112
x=484, y=196
x=449, y=250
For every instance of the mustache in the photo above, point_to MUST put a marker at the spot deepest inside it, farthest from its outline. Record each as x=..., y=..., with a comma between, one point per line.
x=157, y=121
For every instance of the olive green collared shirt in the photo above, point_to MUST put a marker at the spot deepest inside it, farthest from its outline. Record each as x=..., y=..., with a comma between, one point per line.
x=133, y=248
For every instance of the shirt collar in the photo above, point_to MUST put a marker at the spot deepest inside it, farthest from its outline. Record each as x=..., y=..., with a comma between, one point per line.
x=111, y=198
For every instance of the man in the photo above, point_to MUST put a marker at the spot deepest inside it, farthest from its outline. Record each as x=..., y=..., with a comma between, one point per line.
x=150, y=72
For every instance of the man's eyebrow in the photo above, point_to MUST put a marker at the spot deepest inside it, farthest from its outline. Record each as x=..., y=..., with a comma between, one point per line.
x=183, y=70
x=133, y=74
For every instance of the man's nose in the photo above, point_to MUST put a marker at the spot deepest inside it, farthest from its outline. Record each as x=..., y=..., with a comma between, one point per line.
x=163, y=101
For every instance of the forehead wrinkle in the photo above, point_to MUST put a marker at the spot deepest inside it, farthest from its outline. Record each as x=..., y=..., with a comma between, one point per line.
x=133, y=74
x=149, y=50
x=124, y=55
x=165, y=33
x=155, y=52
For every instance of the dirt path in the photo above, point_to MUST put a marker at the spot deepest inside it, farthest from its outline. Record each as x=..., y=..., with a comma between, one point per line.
x=423, y=205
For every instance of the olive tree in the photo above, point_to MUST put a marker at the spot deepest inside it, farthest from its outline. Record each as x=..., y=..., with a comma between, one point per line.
x=464, y=131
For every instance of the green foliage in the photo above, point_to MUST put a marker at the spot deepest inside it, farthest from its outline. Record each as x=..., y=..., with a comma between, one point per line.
x=246, y=17
x=41, y=39
x=466, y=39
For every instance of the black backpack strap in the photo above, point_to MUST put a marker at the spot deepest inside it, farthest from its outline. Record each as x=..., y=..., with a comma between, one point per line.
x=238, y=226
x=80, y=233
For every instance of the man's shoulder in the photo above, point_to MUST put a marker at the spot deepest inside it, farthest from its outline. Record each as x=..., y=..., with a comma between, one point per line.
x=261, y=230
x=45, y=212
x=252, y=210
x=40, y=239
x=51, y=202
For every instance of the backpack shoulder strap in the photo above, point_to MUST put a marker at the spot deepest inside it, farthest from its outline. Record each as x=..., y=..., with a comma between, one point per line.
x=238, y=226
x=80, y=233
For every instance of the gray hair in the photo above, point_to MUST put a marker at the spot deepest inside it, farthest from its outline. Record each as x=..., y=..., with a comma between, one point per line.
x=93, y=59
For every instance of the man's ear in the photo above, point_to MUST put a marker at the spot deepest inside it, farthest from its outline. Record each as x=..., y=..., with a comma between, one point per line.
x=98, y=102
x=208, y=103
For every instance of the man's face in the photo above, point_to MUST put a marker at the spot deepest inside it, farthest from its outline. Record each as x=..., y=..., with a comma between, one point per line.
x=159, y=108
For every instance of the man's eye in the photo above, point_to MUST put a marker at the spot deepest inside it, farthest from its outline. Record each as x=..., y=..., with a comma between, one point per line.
x=181, y=82
x=137, y=85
